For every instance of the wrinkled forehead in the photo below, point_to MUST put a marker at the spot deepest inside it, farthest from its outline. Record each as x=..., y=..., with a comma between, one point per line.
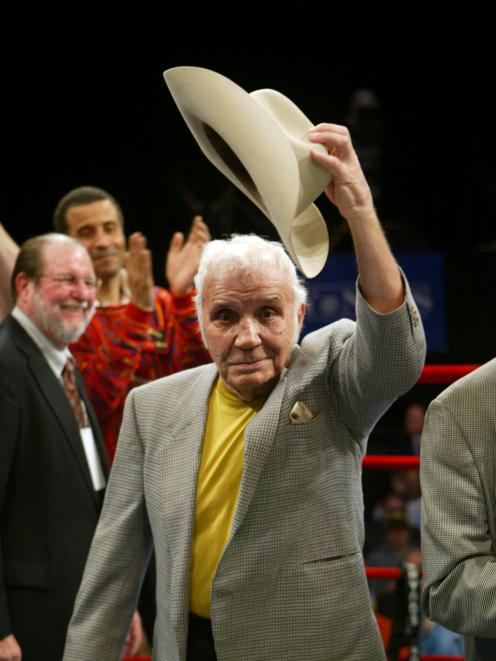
x=241, y=261
x=248, y=284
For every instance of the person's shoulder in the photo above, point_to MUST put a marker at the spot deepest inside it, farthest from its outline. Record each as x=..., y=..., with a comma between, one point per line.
x=171, y=397
x=469, y=402
x=327, y=338
x=12, y=358
x=176, y=382
x=318, y=348
x=480, y=382
x=9, y=328
x=6, y=347
x=339, y=330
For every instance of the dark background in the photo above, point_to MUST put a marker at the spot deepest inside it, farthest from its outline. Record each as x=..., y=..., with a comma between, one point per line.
x=85, y=103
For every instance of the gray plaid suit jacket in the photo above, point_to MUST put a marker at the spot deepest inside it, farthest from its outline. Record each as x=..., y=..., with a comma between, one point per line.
x=458, y=478
x=290, y=585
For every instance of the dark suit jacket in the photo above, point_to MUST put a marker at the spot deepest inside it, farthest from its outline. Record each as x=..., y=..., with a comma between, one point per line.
x=48, y=508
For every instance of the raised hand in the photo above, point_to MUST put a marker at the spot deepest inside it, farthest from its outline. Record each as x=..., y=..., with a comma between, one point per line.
x=380, y=279
x=138, y=263
x=184, y=256
x=349, y=189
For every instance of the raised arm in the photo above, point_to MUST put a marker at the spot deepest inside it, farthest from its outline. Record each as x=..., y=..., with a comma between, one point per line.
x=380, y=280
x=384, y=355
x=8, y=254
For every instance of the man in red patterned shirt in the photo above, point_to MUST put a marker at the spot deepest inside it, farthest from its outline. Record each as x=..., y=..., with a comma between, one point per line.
x=139, y=332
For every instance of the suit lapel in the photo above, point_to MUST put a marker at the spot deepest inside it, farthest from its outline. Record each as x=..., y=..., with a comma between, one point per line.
x=186, y=434
x=53, y=393
x=185, y=431
x=258, y=440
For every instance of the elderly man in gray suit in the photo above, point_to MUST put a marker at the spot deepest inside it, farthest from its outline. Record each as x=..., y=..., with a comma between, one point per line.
x=458, y=477
x=245, y=475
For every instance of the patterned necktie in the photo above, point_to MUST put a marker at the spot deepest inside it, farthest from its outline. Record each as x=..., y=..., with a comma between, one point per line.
x=72, y=392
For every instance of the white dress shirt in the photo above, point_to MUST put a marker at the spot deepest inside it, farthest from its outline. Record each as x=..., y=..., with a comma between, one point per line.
x=57, y=359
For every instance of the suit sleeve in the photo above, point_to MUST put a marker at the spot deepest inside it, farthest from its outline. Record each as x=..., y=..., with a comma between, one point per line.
x=459, y=560
x=379, y=361
x=118, y=557
x=9, y=430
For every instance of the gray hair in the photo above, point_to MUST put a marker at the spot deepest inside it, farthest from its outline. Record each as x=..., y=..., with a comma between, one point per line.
x=245, y=254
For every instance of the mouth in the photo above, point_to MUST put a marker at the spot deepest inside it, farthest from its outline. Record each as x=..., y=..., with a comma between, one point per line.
x=82, y=307
x=107, y=255
x=247, y=364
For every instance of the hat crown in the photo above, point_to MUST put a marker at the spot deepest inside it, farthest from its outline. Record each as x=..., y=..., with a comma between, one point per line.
x=258, y=141
x=313, y=178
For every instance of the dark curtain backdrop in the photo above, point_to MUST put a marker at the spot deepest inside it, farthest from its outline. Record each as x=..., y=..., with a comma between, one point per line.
x=85, y=103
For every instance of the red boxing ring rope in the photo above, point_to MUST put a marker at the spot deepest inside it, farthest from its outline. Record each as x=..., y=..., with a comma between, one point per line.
x=383, y=573
x=440, y=657
x=424, y=657
x=430, y=374
x=390, y=461
x=444, y=373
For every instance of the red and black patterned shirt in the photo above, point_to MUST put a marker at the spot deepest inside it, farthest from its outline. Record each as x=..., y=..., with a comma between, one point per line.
x=125, y=346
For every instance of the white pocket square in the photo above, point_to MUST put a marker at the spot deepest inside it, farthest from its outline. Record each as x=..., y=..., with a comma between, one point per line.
x=300, y=414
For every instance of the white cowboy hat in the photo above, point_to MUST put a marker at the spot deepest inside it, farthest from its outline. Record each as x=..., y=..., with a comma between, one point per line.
x=258, y=141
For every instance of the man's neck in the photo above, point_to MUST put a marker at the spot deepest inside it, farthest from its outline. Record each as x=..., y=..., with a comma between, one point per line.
x=113, y=291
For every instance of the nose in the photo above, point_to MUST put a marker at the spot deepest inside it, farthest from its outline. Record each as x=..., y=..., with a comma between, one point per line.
x=101, y=239
x=248, y=336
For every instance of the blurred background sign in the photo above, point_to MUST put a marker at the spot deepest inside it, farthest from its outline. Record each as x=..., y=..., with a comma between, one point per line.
x=332, y=293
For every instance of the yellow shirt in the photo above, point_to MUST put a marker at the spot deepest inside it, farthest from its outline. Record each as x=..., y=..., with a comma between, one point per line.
x=219, y=478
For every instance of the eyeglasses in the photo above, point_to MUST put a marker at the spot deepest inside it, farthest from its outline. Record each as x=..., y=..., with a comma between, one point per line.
x=70, y=280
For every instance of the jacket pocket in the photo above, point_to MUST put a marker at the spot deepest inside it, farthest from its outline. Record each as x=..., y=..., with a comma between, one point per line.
x=27, y=575
x=331, y=548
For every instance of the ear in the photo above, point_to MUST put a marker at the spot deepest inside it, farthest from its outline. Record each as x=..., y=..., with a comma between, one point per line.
x=24, y=287
x=301, y=315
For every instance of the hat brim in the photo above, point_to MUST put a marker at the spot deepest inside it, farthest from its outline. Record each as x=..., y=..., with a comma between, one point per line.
x=241, y=135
